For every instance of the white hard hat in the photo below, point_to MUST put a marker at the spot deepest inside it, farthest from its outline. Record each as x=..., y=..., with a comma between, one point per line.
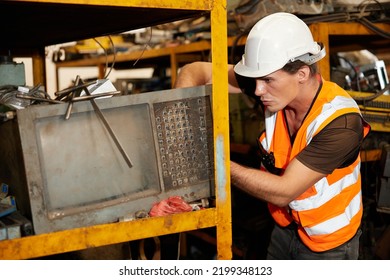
x=274, y=41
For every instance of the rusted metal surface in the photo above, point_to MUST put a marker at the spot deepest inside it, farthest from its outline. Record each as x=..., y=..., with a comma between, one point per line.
x=171, y=152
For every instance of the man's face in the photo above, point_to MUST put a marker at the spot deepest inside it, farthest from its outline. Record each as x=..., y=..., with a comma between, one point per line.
x=277, y=90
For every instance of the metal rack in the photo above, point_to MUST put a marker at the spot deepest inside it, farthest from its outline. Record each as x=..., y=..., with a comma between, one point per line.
x=350, y=36
x=355, y=36
x=67, y=20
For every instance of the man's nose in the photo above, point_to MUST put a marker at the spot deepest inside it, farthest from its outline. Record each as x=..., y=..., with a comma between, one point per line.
x=260, y=88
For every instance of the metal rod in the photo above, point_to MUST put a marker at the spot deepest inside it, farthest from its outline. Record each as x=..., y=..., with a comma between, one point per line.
x=109, y=129
x=76, y=99
x=65, y=92
x=18, y=95
x=73, y=94
x=89, y=97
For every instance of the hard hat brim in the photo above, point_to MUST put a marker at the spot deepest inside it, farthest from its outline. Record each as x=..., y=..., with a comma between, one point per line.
x=246, y=71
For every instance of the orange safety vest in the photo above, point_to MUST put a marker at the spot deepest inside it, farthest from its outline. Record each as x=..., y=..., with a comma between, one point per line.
x=329, y=213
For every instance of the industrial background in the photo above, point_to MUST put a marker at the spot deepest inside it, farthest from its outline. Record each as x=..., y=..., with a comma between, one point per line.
x=65, y=190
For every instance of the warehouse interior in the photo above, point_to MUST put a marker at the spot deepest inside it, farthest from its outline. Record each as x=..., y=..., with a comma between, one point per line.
x=82, y=177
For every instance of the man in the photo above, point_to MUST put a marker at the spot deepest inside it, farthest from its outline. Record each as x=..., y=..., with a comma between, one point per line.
x=310, y=173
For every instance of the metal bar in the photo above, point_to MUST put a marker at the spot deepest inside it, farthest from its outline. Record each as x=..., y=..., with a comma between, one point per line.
x=109, y=129
x=38, y=99
x=76, y=99
x=105, y=234
x=89, y=97
x=73, y=94
x=65, y=92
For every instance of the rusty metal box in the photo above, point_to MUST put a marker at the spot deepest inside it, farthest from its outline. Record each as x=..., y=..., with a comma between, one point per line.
x=69, y=173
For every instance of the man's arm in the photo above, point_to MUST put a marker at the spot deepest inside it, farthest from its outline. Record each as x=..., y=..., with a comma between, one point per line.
x=336, y=146
x=278, y=190
x=200, y=73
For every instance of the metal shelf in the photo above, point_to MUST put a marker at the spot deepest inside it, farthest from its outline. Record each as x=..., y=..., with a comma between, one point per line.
x=346, y=36
x=41, y=23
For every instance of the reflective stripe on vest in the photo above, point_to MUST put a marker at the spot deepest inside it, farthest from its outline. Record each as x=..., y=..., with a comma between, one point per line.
x=339, y=221
x=326, y=192
x=270, y=123
x=338, y=103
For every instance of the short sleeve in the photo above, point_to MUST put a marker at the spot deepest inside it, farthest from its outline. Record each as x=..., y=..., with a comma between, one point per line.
x=336, y=146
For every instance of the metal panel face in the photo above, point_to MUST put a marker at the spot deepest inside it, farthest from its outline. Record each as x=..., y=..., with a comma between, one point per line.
x=99, y=173
x=77, y=176
x=183, y=133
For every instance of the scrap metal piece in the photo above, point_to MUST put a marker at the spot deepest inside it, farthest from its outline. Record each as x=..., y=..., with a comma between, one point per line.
x=72, y=96
x=34, y=98
x=96, y=95
x=63, y=93
x=109, y=129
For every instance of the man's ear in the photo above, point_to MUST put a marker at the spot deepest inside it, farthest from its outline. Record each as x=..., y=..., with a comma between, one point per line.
x=303, y=73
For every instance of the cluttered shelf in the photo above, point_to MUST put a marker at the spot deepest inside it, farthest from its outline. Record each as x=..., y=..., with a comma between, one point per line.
x=176, y=54
x=171, y=53
x=179, y=53
x=67, y=20
x=353, y=36
x=349, y=36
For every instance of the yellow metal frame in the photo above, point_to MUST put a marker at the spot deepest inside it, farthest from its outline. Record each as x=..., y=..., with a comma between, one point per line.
x=219, y=217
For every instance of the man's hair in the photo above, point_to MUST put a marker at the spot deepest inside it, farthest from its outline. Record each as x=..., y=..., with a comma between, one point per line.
x=293, y=67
